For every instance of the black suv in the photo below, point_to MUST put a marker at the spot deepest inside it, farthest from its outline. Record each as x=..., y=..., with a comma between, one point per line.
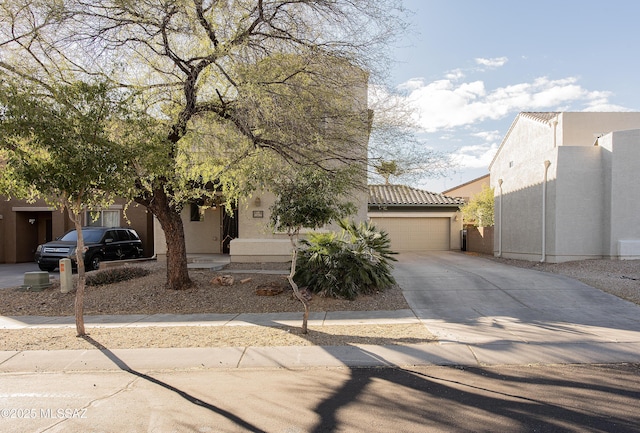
x=100, y=243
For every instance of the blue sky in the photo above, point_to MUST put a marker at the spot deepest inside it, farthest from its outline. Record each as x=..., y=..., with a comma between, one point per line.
x=471, y=66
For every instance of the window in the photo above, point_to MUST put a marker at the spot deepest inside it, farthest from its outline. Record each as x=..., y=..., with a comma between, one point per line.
x=103, y=218
x=197, y=212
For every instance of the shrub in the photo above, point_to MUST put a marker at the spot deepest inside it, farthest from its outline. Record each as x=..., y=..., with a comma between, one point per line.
x=115, y=275
x=357, y=261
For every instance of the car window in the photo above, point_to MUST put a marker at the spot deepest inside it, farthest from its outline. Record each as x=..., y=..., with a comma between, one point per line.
x=91, y=236
x=111, y=234
x=72, y=236
x=123, y=235
x=87, y=235
x=133, y=234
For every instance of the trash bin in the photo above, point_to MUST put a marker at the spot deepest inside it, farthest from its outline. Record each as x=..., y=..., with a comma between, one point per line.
x=463, y=239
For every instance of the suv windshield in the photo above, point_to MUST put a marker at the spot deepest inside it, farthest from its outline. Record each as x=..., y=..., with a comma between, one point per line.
x=88, y=235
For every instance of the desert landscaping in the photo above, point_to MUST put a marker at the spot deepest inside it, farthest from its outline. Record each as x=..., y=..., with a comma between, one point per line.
x=147, y=295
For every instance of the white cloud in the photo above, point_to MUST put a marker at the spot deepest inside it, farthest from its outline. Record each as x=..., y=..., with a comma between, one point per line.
x=455, y=75
x=454, y=108
x=495, y=62
x=475, y=156
x=448, y=103
x=411, y=85
x=489, y=135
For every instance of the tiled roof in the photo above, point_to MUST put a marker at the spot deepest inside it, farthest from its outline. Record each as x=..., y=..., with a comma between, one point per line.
x=542, y=116
x=402, y=195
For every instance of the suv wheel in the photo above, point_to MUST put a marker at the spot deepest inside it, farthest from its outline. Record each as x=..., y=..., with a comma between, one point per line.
x=46, y=268
x=94, y=262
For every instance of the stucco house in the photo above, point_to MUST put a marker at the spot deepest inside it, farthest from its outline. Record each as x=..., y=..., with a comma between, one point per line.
x=416, y=220
x=565, y=187
x=475, y=239
x=247, y=235
x=467, y=190
x=24, y=226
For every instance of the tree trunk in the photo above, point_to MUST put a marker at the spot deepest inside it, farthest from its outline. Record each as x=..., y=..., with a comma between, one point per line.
x=79, y=298
x=294, y=286
x=177, y=270
x=171, y=223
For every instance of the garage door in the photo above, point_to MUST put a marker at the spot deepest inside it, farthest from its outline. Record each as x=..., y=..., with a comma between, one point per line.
x=416, y=234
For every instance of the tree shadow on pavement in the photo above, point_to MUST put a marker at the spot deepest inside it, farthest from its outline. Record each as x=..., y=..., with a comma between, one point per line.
x=447, y=397
x=245, y=425
x=529, y=398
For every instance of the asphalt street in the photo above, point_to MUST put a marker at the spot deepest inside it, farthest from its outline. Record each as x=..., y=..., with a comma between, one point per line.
x=557, y=398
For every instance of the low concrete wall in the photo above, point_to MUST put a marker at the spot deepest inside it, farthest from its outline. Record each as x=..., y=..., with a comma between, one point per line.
x=119, y=263
x=480, y=239
x=260, y=250
x=629, y=249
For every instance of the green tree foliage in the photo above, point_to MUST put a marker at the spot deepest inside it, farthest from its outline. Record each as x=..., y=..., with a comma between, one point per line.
x=357, y=261
x=479, y=210
x=386, y=169
x=309, y=198
x=57, y=142
x=233, y=87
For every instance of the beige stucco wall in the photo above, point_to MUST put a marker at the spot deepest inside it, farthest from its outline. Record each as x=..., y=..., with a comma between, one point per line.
x=201, y=237
x=590, y=205
x=621, y=158
x=582, y=128
x=468, y=190
x=204, y=237
x=521, y=169
x=577, y=207
x=480, y=239
x=251, y=227
x=254, y=230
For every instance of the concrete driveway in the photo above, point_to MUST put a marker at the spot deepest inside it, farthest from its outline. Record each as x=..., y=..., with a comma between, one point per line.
x=533, y=316
x=12, y=275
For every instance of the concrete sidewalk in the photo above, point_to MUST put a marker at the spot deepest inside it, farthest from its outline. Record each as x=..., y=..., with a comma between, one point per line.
x=599, y=346
x=316, y=319
x=482, y=312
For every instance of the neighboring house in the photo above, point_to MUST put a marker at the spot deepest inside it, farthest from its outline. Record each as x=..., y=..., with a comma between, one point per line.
x=416, y=220
x=468, y=189
x=476, y=239
x=565, y=187
x=23, y=226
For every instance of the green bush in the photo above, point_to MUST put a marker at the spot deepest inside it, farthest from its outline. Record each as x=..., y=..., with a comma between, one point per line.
x=357, y=261
x=115, y=275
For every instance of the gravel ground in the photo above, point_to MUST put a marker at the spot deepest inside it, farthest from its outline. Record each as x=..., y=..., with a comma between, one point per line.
x=147, y=295
x=618, y=277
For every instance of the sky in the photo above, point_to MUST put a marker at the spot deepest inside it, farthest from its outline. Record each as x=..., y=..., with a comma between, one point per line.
x=468, y=67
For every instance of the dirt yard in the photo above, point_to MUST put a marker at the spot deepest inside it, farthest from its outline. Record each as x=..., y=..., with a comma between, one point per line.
x=147, y=295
